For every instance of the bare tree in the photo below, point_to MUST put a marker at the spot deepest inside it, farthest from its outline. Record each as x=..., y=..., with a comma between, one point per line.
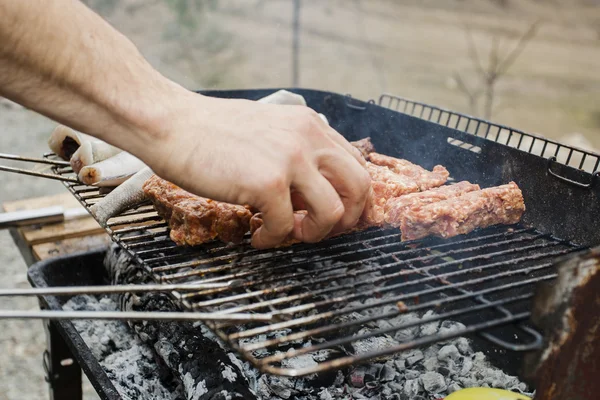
x=492, y=71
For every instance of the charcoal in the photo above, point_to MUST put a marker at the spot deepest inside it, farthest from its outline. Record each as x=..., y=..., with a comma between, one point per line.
x=400, y=364
x=406, y=334
x=479, y=358
x=371, y=344
x=433, y=382
x=374, y=370
x=468, y=381
x=430, y=328
x=396, y=387
x=325, y=395
x=467, y=365
x=387, y=373
x=413, y=357
x=462, y=344
x=385, y=392
x=209, y=373
x=453, y=387
x=282, y=387
x=427, y=373
x=412, y=374
x=448, y=327
x=448, y=352
x=411, y=388
x=430, y=364
x=357, y=377
x=128, y=363
x=444, y=371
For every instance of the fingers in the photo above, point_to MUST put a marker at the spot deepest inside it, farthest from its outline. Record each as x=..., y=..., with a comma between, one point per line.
x=278, y=221
x=341, y=141
x=352, y=182
x=323, y=204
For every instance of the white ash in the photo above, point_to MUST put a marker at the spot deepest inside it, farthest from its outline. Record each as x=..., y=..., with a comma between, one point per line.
x=128, y=363
x=425, y=373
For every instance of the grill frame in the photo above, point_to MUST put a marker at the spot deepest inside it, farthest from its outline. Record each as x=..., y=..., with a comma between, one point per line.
x=337, y=108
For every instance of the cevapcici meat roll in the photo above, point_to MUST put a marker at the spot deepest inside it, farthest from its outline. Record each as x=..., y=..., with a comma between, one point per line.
x=193, y=219
x=397, y=206
x=385, y=185
x=479, y=209
x=423, y=178
x=364, y=146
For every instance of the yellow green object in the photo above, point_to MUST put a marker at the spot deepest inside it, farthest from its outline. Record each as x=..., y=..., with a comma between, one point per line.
x=485, y=394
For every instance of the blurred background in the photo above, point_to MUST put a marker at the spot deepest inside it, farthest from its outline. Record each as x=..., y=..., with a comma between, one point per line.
x=530, y=64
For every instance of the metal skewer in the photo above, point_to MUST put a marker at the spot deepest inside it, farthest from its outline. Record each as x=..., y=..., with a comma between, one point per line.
x=124, y=315
x=57, y=163
x=113, y=289
x=133, y=315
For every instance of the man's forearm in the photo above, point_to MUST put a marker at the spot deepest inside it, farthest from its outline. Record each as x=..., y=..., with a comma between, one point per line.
x=62, y=60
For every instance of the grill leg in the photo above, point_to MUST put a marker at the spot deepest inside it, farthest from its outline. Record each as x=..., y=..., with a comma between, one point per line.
x=63, y=373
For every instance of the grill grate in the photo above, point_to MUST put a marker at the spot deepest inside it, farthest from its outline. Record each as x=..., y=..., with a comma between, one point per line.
x=353, y=298
x=527, y=142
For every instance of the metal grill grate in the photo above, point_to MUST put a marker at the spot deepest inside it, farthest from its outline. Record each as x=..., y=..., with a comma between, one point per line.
x=546, y=148
x=353, y=298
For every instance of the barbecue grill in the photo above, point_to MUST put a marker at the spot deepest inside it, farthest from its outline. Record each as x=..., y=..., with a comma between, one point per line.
x=324, y=294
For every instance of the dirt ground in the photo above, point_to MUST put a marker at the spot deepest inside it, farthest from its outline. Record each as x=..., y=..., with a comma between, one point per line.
x=410, y=48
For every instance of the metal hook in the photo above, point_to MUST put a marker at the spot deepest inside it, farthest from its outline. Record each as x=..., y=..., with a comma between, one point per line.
x=572, y=182
x=355, y=107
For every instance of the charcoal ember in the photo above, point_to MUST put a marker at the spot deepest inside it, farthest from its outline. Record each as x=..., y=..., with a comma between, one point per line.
x=372, y=375
x=448, y=327
x=412, y=357
x=386, y=392
x=372, y=344
x=429, y=328
x=339, y=379
x=453, y=387
x=453, y=367
x=468, y=381
x=479, y=358
x=448, y=352
x=462, y=344
x=412, y=374
x=387, y=373
x=498, y=379
x=281, y=386
x=325, y=395
x=467, y=365
x=357, y=377
x=412, y=387
x=203, y=367
x=400, y=364
x=396, y=387
x=431, y=364
x=406, y=334
x=433, y=382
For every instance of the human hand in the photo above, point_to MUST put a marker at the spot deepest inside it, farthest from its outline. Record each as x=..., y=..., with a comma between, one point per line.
x=276, y=158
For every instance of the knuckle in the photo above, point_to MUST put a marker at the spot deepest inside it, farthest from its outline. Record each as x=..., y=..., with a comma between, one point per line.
x=274, y=183
x=296, y=156
x=335, y=214
x=364, y=181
